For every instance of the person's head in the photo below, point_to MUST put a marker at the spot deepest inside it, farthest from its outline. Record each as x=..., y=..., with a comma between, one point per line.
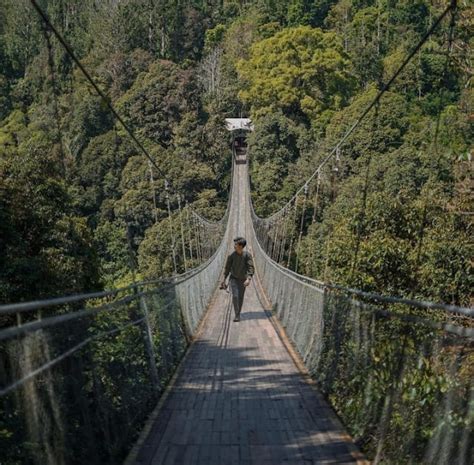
x=239, y=244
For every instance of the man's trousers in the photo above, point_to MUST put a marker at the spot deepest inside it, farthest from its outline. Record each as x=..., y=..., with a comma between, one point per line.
x=237, y=289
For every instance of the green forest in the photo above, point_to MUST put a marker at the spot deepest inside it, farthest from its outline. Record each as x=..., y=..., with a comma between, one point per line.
x=76, y=194
x=82, y=209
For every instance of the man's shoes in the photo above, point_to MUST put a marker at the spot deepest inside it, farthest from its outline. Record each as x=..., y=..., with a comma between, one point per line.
x=237, y=318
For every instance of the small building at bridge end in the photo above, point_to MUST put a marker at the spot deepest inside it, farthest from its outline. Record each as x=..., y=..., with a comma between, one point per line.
x=239, y=128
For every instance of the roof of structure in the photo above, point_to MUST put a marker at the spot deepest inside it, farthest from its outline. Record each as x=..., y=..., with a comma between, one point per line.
x=234, y=124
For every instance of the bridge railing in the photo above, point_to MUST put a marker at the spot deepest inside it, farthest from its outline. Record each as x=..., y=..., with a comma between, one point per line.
x=78, y=379
x=80, y=374
x=398, y=372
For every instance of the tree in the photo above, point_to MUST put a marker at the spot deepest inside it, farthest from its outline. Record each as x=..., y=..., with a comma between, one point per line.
x=302, y=71
x=121, y=69
x=87, y=119
x=5, y=103
x=210, y=73
x=274, y=146
x=98, y=172
x=308, y=12
x=158, y=99
x=48, y=249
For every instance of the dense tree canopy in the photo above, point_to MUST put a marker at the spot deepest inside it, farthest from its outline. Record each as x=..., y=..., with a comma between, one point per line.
x=304, y=70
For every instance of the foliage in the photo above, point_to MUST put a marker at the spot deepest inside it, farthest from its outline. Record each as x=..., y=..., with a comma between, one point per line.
x=301, y=71
x=44, y=241
x=158, y=99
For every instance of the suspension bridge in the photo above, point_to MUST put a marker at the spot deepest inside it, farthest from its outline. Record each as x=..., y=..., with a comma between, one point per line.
x=240, y=397
x=243, y=391
x=158, y=373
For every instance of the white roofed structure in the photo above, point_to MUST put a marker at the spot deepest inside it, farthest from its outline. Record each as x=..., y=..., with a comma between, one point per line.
x=234, y=124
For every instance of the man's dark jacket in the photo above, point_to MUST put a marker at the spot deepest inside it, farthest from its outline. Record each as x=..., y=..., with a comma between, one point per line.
x=239, y=266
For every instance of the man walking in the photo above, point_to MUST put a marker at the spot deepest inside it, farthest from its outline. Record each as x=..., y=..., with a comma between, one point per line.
x=240, y=266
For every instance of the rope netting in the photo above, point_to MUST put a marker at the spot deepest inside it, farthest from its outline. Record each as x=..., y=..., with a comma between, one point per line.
x=398, y=372
x=79, y=375
x=86, y=370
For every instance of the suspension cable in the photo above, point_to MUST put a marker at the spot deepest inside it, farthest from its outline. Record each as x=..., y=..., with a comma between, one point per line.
x=182, y=233
x=292, y=217
x=173, y=241
x=300, y=235
x=189, y=231
x=316, y=199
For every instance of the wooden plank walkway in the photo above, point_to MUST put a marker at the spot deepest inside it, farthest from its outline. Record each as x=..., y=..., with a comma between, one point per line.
x=240, y=399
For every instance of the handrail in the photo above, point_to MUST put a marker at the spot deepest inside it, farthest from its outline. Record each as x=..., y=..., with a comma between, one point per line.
x=427, y=305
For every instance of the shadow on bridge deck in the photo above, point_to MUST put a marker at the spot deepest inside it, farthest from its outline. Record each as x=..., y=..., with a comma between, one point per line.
x=239, y=398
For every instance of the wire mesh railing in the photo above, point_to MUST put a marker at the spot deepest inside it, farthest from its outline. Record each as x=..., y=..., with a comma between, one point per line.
x=79, y=375
x=77, y=383
x=398, y=372
x=77, y=380
x=85, y=370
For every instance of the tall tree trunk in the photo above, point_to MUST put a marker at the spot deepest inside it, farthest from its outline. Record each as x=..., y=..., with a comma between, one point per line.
x=151, y=45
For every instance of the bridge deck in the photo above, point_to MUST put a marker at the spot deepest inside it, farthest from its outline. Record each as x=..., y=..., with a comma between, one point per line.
x=239, y=398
